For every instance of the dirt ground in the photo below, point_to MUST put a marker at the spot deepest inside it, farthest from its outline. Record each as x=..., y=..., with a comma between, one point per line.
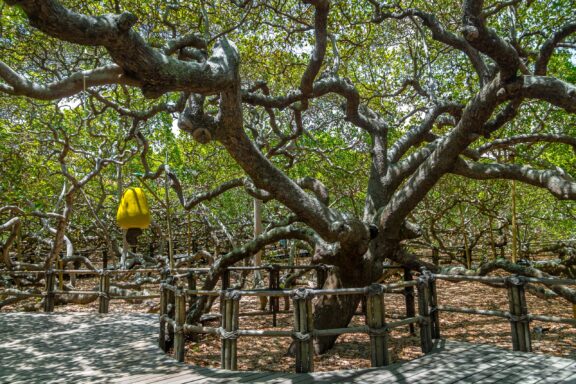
x=353, y=351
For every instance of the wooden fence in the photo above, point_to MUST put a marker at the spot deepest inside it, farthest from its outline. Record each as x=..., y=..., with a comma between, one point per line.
x=179, y=288
x=173, y=327
x=51, y=292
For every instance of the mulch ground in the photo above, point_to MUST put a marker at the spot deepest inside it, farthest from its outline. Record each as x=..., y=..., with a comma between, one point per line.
x=353, y=351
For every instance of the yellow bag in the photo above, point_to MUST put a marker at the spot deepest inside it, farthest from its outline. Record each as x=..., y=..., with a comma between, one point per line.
x=133, y=211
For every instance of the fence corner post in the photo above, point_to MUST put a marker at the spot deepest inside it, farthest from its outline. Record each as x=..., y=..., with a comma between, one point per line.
x=180, y=318
x=433, y=303
x=376, y=320
x=104, y=292
x=519, y=319
x=162, y=320
x=230, y=302
x=424, y=311
x=49, y=299
x=303, y=330
x=409, y=300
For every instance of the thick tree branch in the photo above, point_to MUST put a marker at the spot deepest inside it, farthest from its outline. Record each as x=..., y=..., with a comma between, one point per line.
x=316, y=186
x=474, y=117
x=416, y=134
x=321, y=41
x=439, y=33
x=18, y=85
x=524, y=139
x=156, y=72
x=541, y=66
x=487, y=41
x=560, y=185
x=550, y=89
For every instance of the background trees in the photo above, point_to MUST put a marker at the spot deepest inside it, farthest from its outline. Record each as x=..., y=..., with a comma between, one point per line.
x=344, y=117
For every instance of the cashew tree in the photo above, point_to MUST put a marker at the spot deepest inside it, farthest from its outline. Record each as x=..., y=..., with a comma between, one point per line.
x=432, y=89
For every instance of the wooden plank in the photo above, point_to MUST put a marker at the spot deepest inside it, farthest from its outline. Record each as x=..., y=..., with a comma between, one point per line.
x=556, y=372
x=122, y=349
x=522, y=364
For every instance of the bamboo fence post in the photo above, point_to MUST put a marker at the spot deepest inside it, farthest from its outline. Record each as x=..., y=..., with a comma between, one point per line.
x=104, y=292
x=49, y=299
x=424, y=313
x=163, y=312
x=375, y=318
x=409, y=298
x=180, y=317
x=104, y=259
x=303, y=327
x=229, y=330
x=519, y=321
x=274, y=284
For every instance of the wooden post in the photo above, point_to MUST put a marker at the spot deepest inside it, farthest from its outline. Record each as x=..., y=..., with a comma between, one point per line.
x=492, y=242
x=519, y=321
x=321, y=275
x=467, y=250
x=514, y=223
x=180, y=318
x=104, y=291
x=435, y=256
x=303, y=327
x=60, y=274
x=191, y=280
x=375, y=318
x=274, y=284
x=225, y=279
x=424, y=313
x=104, y=259
x=433, y=303
x=170, y=312
x=49, y=299
x=163, y=312
x=228, y=331
x=409, y=299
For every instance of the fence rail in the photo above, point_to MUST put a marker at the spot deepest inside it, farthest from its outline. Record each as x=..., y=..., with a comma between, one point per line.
x=178, y=287
x=173, y=327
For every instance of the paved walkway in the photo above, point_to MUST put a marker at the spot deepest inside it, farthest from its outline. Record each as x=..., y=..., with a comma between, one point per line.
x=92, y=348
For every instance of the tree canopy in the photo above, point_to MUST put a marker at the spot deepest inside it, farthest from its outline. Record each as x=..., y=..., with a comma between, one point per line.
x=361, y=124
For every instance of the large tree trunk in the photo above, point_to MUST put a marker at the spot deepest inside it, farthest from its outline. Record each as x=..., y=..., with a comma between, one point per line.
x=355, y=271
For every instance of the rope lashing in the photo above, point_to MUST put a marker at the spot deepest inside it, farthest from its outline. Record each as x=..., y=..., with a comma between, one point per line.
x=374, y=289
x=302, y=294
x=428, y=274
x=378, y=331
x=515, y=281
x=518, y=319
x=227, y=335
x=299, y=336
x=232, y=294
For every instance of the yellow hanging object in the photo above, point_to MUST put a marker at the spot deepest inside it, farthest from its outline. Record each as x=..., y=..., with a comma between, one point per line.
x=133, y=211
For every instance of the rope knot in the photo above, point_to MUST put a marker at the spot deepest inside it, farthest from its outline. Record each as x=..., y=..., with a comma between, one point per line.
x=374, y=289
x=515, y=280
x=378, y=331
x=299, y=336
x=232, y=294
x=518, y=319
x=227, y=335
x=302, y=294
